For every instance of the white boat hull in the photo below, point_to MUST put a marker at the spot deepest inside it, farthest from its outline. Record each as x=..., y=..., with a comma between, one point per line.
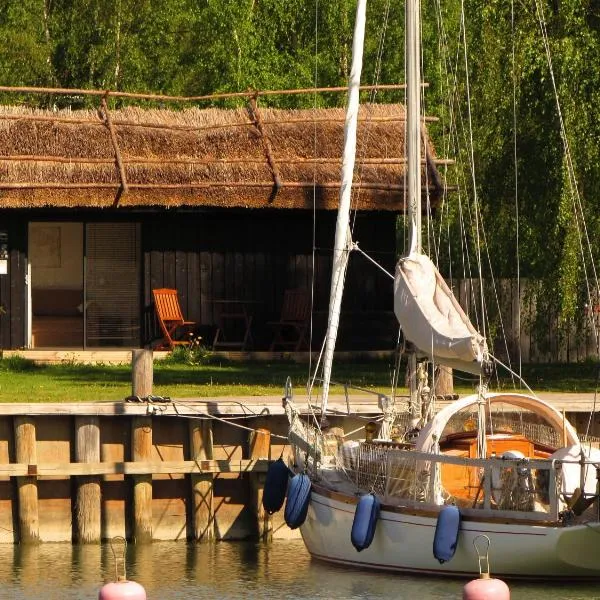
x=404, y=542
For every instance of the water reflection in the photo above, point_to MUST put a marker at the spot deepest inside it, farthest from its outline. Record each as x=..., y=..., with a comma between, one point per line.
x=173, y=571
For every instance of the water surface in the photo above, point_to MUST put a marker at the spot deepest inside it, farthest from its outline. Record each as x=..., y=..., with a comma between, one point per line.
x=228, y=571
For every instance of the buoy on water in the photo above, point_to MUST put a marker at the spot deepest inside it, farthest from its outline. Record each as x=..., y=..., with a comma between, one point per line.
x=121, y=589
x=486, y=587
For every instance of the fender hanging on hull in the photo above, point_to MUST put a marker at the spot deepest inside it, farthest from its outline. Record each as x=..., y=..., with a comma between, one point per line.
x=276, y=484
x=446, y=533
x=298, y=497
x=365, y=521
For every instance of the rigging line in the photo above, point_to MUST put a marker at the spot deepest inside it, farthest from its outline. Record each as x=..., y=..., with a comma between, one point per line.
x=431, y=242
x=576, y=198
x=593, y=411
x=456, y=119
x=472, y=155
x=477, y=220
x=516, y=165
x=226, y=421
x=355, y=246
x=364, y=144
x=442, y=75
x=509, y=370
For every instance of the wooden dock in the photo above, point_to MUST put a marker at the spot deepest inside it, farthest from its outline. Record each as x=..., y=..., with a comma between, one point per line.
x=184, y=469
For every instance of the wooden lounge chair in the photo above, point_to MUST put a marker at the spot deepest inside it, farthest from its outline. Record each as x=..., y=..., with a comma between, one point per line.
x=292, y=327
x=176, y=331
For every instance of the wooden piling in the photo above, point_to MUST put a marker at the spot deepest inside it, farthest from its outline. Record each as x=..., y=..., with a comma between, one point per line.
x=201, y=448
x=27, y=490
x=142, y=372
x=260, y=447
x=88, y=502
x=141, y=447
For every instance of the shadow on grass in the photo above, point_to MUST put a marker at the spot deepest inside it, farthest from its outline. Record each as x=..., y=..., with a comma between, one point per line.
x=575, y=377
x=224, y=373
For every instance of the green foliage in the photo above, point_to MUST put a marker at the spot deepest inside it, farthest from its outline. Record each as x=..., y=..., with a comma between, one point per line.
x=193, y=354
x=16, y=364
x=206, y=46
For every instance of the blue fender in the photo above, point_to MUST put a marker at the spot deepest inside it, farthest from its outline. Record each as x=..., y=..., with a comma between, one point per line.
x=365, y=521
x=446, y=533
x=298, y=497
x=276, y=484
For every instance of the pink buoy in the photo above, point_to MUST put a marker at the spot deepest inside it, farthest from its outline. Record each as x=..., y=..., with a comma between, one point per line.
x=121, y=589
x=486, y=587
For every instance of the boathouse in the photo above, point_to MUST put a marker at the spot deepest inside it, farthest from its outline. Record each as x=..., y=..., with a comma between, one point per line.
x=230, y=207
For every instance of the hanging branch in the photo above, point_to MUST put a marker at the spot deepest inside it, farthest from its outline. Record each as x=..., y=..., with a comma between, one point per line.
x=255, y=115
x=113, y=136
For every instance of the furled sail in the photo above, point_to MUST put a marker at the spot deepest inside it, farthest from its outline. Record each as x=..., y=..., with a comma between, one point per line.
x=432, y=319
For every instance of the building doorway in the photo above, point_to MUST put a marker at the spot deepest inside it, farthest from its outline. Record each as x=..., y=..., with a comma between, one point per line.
x=85, y=281
x=56, y=285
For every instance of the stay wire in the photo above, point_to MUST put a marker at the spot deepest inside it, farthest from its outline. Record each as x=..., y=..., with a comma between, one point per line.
x=516, y=175
x=575, y=195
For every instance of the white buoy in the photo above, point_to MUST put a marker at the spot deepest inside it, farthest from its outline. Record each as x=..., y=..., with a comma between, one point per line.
x=121, y=589
x=486, y=587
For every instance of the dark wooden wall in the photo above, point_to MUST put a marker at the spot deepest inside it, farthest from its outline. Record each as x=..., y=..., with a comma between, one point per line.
x=13, y=285
x=256, y=255
x=229, y=254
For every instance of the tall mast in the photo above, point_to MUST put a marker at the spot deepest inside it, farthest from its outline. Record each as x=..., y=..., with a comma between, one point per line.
x=343, y=241
x=413, y=119
x=412, y=43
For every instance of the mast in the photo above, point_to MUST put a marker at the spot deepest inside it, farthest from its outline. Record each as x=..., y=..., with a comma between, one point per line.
x=412, y=42
x=413, y=119
x=343, y=241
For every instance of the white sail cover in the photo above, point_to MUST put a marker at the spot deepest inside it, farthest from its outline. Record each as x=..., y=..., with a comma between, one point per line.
x=432, y=319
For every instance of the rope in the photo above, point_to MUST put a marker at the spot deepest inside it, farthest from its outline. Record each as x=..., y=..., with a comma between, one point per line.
x=226, y=421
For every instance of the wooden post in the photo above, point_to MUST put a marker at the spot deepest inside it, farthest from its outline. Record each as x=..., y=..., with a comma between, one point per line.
x=88, y=506
x=201, y=448
x=260, y=447
x=141, y=372
x=25, y=442
x=444, y=382
x=141, y=447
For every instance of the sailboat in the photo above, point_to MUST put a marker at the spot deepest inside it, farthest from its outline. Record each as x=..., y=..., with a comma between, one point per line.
x=421, y=488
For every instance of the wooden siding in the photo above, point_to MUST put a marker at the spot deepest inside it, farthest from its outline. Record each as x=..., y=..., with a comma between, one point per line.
x=256, y=256
x=523, y=326
x=12, y=285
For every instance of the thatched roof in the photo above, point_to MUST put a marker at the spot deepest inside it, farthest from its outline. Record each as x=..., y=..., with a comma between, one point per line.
x=211, y=157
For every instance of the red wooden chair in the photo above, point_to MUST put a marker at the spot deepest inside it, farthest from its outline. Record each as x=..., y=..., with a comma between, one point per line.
x=292, y=326
x=170, y=318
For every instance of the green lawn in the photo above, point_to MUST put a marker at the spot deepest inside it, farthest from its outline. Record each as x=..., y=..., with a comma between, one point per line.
x=23, y=381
